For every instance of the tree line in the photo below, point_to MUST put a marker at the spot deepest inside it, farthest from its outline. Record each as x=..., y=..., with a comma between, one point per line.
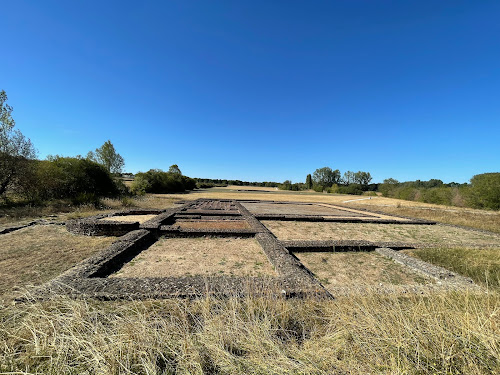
x=483, y=191
x=212, y=182
x=333, y=181
x=82, y=179
x=86, y=179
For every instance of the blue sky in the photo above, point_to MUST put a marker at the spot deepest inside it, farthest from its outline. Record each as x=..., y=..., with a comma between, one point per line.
x=261, y=90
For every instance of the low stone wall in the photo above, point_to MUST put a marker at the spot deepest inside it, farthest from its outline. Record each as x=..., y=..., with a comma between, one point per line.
x=94, y=227
x=90, y=277
x=439, y=273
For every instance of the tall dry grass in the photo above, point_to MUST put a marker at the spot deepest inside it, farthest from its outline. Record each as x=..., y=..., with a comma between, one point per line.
x=473, y=218
x=481, y=265
x=449, y=333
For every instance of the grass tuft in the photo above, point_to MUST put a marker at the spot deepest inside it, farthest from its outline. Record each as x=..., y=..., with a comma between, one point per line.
x=449, y=333
x=481, y=265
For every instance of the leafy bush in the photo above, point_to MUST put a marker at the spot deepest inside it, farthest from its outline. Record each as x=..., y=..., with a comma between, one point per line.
x=437, y=195
x=81, y=180
x=334, y=189
x=485, y=191
x=318, y=188
x=158, y=181
x=353, y=189
x=406, y=192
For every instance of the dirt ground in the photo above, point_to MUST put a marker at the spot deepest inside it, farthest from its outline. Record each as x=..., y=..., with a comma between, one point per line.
x=199, y=256
x=409, y=233
x=297, y=209
x=130, y=218
x=39, y=253
x=358, y=269
x=213, y=224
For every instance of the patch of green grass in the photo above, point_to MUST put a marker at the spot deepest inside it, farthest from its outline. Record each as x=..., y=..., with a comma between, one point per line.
x=238, y=264
x=481, y=265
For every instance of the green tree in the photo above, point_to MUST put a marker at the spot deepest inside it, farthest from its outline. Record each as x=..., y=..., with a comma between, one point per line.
x=157, y=181
x=82, y=180
x=309, y=181
x=107, y=156
x=286, y=185
x=348, y=178
x=15, y=149
x=362, y=178
x=388, y=187
x=326, y=177
x=174, y=169
x=391, y=181
x=485, y=191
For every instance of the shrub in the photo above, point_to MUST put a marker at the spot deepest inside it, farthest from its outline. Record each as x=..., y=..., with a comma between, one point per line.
x=485, y=191
x=140, y=185
x=127, y=202
x=334, y=189
x=62, y=177
x=407, y=193
x=437, y=195
x=157, y=181
x=318, y=188
x=86, y=199
x=353, y=189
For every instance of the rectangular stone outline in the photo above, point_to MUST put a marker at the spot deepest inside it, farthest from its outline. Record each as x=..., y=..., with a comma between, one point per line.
x=323, y=218
x=89, y=278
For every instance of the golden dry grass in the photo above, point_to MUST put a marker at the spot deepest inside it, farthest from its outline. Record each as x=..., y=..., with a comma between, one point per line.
x=213, y=224
x=129, y=218
x=409, y=233
x=278, y=195
x=199, y=256
x=358, y=269
x=37, y=254
x=449, y=333
x=482, y=265
x=443, y=333
x=479, y=219
x=296, y=209
x=247, y=188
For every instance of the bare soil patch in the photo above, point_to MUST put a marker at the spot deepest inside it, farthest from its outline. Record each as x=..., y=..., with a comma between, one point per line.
x=297, y=209
x=358, y=269
x=408, y=233
x=129, y=218
x=39, y=253
x=174, y=257
x=213, y=224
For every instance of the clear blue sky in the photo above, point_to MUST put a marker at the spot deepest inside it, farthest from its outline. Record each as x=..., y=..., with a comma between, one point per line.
x=260, y=90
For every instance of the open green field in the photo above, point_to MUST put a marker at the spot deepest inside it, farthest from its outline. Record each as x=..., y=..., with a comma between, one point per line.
x=447, y=332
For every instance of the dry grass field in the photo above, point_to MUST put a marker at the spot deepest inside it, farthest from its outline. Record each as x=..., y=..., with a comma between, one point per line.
x=407, y=233
x=295, y=209
x=129, y=218
x=200, y=256
x=482, y=264
x=37, y=254
x=479, y=219
x=212, y=224
x=448, y=332
x=344, y=269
